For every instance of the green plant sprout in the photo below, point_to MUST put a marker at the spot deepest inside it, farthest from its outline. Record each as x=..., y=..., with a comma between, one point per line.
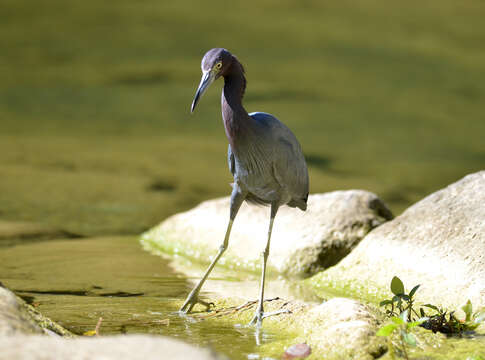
x=404, y=317
x=437, y=321
x=401, y=301
x=452, y=325
x=404, y=327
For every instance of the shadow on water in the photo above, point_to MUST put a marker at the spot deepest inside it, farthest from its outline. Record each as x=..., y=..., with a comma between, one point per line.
x=77, y=281
x=318, y=161
x=323, y=163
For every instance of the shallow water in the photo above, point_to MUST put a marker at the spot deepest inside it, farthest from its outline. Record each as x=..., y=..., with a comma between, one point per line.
x=77, y=281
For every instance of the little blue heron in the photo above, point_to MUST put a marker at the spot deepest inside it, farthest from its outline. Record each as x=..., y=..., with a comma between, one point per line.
x=264, y=157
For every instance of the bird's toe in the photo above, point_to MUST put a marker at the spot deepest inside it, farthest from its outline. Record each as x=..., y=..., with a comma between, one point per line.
x=191, y=301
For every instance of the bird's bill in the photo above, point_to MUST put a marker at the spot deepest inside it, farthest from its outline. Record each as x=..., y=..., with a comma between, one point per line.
x=207, y=79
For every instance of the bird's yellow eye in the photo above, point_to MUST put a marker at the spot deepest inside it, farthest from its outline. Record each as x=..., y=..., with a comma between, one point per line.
x=218, y=66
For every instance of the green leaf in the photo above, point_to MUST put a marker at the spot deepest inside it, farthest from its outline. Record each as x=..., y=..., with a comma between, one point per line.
x=387, y=330
x=385, y=302
x=397, y=320
x=397, y=287
x=413, y=291
x=409, y=338
x=417, y=322
x=432, y=307
x=397, y=299
x=421, y=311
x=468, y=309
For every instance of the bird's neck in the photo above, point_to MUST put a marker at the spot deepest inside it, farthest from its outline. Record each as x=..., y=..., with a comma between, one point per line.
x=235, y=117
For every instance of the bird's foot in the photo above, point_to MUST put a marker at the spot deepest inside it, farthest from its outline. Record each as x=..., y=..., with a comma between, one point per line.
x=192, y=300
x=259, y=315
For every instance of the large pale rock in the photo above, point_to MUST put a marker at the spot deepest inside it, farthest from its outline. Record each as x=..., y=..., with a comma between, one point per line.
x=133, y=347
x=302, y=242
x=439, y=243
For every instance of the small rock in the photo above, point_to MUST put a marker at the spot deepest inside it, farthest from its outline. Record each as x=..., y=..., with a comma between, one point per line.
x=339, y=328
x=302, y=243
x=298, y=351
x=345, y=325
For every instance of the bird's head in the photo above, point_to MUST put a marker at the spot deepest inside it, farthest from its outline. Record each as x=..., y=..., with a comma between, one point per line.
x=215, y=64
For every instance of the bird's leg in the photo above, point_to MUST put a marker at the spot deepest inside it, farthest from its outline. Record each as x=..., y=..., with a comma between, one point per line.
x=193, y=298
x=259, y=314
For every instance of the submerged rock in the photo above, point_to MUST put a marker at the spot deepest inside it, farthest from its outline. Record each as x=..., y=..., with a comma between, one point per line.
x=302, y=243
x=133, y=347
x=439, y=243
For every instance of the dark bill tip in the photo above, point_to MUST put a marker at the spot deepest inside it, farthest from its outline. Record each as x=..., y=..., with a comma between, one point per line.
x=196, y=100
x=204, y=83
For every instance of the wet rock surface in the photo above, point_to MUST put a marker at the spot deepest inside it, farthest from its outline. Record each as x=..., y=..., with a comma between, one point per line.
x=302, y=243
x=439, y=243
x=133, y=347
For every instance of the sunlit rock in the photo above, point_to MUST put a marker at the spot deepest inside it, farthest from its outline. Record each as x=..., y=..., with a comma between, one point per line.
x=302, y=243
x=346, y=328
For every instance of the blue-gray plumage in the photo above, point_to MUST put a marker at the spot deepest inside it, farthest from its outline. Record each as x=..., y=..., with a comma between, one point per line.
x=264, y=158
